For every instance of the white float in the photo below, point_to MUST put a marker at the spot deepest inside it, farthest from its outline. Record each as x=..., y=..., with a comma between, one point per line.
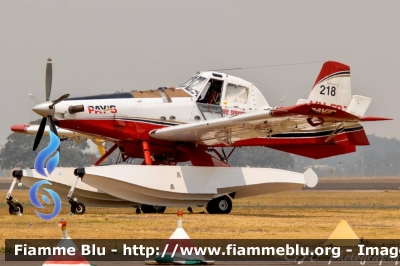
x=62, y=178
x=191, y=185
x=157, y=186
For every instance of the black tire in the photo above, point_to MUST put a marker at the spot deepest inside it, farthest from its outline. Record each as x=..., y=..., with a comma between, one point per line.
x=160, y=209
x=210, y=207
x=79, y=208
x=221, y=205
x=152, y=209
x=19, y=208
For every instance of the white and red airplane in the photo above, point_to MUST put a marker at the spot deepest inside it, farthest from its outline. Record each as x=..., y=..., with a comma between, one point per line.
x=185, y=123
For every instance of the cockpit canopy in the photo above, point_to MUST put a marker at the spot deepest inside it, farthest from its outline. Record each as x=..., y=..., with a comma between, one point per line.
x=228, y=91
x=194, y=85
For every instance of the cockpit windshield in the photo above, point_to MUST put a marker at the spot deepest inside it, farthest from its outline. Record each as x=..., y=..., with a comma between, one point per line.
x=194, y=85
x=187, y=82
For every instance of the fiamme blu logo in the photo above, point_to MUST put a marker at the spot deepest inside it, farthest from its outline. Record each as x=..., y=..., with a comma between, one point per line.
x=51, y=164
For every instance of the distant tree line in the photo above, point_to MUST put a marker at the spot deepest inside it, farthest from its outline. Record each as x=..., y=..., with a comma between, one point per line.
x=380, y=158
x=18, y=153
x=261, y=157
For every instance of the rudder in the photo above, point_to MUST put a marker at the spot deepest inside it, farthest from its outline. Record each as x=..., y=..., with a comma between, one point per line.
x=332, y=86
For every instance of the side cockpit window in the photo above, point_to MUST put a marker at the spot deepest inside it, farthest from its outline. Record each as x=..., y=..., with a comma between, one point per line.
x=236, y=93
x=212, y=92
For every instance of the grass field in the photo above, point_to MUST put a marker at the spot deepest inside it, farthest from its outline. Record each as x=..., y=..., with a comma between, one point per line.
x=290, y=215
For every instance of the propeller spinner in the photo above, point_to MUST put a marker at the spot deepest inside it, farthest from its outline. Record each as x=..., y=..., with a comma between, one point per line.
x=46, y=109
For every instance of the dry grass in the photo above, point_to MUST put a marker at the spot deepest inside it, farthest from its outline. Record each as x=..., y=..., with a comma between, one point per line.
x=290, y=215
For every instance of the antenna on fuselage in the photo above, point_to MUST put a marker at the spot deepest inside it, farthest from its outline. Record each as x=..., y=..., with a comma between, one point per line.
x=279, y=102
x=275, y=65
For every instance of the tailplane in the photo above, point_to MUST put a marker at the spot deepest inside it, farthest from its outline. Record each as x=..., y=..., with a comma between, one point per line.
x=358, y=105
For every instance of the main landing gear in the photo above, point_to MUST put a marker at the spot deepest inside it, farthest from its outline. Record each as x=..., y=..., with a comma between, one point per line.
x=14, y=207
x=152, y=209
x=220, y=205
x=76, y=206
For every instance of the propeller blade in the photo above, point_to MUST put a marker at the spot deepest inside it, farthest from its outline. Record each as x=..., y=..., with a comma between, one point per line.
x=53, y=127
x=49, y=78
x=33, y=98
x=62, y=98
x=39, y=134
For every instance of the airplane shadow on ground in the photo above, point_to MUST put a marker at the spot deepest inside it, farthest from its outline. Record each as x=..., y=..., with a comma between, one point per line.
x=266, y=215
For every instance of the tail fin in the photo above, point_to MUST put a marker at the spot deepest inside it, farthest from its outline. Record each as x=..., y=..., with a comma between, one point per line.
x=332, y=86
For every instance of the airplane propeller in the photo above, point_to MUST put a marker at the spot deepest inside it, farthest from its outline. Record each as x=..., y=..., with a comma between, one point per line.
x=46, y=109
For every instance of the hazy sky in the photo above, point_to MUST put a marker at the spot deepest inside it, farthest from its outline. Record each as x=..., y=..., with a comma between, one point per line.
x=105, y=46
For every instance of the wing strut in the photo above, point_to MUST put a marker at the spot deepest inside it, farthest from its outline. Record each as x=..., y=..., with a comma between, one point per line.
x=223, y=156
x=335, y=132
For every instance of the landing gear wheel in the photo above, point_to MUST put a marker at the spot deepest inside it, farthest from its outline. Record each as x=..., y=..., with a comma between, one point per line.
x=159, y=209
x=138, y=211
x=210, y=208
x=78, y=208
x=221, y=205
x=19, y=209
x=153, y=209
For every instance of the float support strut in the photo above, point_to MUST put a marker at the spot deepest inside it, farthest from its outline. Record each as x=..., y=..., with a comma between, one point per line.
x=146, y=152
x=8, y=197
x=71, y=191
x=17, y=178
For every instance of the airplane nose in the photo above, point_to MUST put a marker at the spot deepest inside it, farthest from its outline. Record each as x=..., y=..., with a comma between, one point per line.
x=43, y=109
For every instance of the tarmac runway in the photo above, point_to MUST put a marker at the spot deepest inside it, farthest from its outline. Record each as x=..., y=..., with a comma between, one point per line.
x=355, y=186
x=320, y=186
x=6, y=185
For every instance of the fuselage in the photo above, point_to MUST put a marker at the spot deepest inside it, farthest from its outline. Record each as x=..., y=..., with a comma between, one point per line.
x=127, y=118
x=131, y=115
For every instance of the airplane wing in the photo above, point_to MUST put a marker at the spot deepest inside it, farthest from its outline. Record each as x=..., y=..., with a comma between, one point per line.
x=62, y=133
x=77, y=137
x=301, y=118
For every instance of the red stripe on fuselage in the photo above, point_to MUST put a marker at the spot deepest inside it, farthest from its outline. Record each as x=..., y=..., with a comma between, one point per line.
x=112, y=129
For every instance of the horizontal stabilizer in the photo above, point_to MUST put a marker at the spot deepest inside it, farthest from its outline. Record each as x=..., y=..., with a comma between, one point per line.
x=358, y=105
x=314, y=109
x=374, y=118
